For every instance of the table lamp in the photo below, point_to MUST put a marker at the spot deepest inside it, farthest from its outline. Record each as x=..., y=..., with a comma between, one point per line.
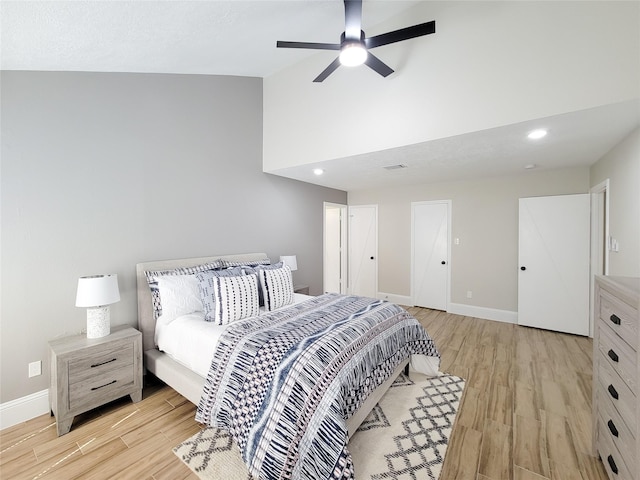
x=96, y=293
x=291, y=261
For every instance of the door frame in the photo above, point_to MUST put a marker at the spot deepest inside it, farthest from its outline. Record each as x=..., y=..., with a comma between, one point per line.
x=600, y=240
x=344, y=251
x=375, y=207
x=448, y=203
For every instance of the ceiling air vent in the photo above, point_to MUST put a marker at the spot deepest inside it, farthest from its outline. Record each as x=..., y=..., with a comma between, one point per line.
x=395, y=167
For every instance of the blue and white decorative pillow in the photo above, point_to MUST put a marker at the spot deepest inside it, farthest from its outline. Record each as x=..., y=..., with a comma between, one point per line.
x=277, y=287
x=253, y=263
x=207, y=288
x=256, y=269
x=152, y=280
x=236, y=298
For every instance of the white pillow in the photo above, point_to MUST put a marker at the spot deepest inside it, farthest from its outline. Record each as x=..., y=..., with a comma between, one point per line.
x=153, y=275
x=277, y=287
x=179, y=295
x=236, y=298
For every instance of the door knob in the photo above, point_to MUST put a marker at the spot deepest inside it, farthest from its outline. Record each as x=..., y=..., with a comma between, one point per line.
x=523, y=268
x=443, y=262
x=371, y=258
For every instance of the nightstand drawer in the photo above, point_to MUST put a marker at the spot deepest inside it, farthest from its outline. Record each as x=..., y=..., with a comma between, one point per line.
x=100, y=362
x=619, y=355
x=620, y=317
x=89, y=372
x=96, y=389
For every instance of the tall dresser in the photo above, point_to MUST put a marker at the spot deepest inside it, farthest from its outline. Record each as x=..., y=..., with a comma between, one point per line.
x=616, y=379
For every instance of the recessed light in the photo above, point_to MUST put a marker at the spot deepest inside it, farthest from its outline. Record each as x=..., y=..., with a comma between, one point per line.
x=318, y=171
x=537, y=134
x=531, y=166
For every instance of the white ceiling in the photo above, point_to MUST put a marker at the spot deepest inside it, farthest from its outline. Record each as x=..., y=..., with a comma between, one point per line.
x=212, y=37
x=574, y=139
x=238, y=37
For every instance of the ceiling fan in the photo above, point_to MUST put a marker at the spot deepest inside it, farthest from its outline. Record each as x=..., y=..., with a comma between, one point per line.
x=354, y=46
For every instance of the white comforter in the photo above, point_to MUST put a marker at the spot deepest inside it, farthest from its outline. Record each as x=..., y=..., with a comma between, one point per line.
x=191, y=341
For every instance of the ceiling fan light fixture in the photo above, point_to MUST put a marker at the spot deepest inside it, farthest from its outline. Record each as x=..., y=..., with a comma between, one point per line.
x=354, y=46
x=353, y=54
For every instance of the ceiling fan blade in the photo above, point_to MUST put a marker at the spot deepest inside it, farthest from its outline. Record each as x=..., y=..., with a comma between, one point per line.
x=328, y=71
x=378, y=65
x=401, y=34
x=352, y=19
x=314, y=46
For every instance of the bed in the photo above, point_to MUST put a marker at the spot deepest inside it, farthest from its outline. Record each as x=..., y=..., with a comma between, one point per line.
x=187, y=374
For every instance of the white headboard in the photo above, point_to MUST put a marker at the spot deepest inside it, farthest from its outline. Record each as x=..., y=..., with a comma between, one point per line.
x=146, y=322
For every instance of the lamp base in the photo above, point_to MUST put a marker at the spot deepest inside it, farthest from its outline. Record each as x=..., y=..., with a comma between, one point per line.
x=98, y=322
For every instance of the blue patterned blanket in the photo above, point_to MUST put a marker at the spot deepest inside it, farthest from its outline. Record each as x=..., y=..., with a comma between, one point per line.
x=284, y=383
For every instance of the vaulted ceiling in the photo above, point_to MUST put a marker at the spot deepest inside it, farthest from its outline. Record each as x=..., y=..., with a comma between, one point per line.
x=238, y=37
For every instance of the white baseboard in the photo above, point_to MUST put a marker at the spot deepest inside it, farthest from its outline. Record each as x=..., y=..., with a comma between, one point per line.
x=23, y=409
x=399, y=299
x=459, y=309
x=483, y=312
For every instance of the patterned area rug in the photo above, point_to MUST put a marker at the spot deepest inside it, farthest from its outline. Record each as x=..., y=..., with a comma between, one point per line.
x=404, y=436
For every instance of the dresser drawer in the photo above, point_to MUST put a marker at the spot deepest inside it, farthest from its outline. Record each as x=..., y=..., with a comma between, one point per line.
x=611, y=457
x=619, y=354
x=614, y=427
x=101, y=388
x=620, y=317
x=617, y=392
x=616, y=380
x=100, y=361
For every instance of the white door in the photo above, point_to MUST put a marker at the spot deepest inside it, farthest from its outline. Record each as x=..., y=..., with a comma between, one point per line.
x=363, y=250
x=335, y=241
x=553, y=281
x=430, y=254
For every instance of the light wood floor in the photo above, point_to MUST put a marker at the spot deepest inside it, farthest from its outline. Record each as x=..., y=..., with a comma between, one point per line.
x=526, y=415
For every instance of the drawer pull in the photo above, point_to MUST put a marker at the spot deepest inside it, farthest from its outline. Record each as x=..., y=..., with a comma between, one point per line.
x=102, y=386
x=103, y=363
x=615, y=319
x=613, y=355
x=612, y=428
x=612, y=464
x=613, y=392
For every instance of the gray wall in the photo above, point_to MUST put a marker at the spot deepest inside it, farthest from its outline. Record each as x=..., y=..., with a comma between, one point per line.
x=622, y=167
x=484, y=217
x=102, y=171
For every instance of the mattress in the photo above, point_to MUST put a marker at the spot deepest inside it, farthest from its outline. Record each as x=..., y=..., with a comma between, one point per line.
x=191, y=341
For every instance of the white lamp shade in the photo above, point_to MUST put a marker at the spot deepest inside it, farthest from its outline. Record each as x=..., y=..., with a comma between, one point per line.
x=290, y=261
x=97, y=290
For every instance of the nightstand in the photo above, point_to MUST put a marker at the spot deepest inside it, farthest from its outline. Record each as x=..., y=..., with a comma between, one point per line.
x=87, y=373
x=301, y=289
